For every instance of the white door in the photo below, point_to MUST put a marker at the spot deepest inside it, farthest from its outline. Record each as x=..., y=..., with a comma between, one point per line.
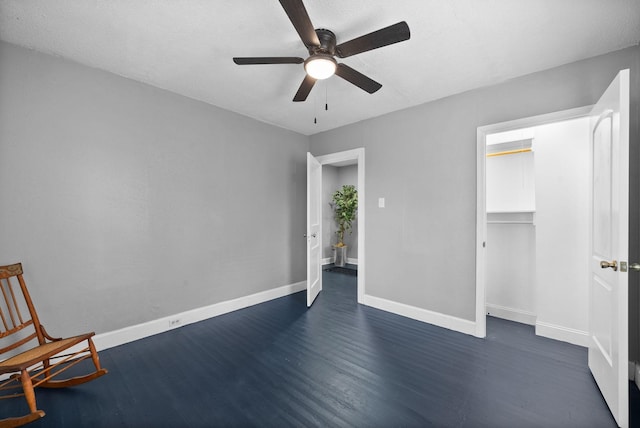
x=608, y=293
x=314, y=228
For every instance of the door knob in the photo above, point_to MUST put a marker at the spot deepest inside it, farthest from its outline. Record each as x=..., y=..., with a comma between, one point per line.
x=613, y=265
x=635, y=266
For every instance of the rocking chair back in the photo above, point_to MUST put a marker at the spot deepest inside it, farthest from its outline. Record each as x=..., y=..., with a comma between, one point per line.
x=17, y=313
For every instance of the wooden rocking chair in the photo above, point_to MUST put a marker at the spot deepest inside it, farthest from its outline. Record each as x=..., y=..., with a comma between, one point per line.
x=31, y=357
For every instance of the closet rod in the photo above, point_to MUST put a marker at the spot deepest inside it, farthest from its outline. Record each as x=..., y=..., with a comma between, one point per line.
x=508, y=152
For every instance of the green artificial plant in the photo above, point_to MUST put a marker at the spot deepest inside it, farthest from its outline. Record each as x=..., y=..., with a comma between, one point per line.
x=345, y=205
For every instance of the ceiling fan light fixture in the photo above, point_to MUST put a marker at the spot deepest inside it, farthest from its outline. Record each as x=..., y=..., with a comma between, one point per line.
x=320, y=66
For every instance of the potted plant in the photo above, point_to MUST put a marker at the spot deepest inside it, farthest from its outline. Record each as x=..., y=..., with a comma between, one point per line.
x=345, y=206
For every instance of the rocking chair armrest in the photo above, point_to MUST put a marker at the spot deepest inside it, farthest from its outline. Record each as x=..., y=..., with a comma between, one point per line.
x=44, y=332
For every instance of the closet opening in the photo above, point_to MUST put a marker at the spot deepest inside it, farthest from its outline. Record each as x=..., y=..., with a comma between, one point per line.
x=536, y=207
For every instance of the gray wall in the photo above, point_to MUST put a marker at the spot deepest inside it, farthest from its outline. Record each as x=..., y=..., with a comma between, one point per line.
x=127, y=203
x=422, y=160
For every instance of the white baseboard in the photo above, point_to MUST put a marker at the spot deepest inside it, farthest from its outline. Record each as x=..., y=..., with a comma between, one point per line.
x=632, y=371
x=352, y=261
x=637, y=375
x=150, y=328
x=511, y=314
x=565, y=334
x=441, y=320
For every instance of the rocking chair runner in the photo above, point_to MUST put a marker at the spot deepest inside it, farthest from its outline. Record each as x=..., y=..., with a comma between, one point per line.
x=32, y=358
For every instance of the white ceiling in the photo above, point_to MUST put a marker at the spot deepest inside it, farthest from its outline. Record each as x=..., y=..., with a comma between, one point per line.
x=186, y=46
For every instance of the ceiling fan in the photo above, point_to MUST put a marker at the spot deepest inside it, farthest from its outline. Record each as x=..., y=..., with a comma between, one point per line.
x=322, y=47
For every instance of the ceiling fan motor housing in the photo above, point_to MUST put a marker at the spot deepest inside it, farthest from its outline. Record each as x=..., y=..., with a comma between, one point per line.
x=321, y=63
x=327, y=43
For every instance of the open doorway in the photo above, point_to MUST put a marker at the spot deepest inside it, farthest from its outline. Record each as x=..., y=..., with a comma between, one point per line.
x=334, y=178
x=529, y=234
x=337, y=169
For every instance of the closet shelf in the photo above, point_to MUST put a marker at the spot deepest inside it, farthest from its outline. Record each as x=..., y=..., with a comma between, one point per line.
x=511, y=217
x=511, y=212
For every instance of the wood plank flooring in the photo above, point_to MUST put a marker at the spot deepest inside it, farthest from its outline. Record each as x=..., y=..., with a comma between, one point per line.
x=337, y=364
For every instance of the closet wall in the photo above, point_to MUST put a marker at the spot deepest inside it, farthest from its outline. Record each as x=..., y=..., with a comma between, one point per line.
x=537, y=243
x=562, y=230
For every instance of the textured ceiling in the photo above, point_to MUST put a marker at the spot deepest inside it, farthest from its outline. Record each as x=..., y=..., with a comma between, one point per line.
x=186, y=46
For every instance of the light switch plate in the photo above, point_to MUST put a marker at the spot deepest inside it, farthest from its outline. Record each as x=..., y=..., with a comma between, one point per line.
x=380, y=202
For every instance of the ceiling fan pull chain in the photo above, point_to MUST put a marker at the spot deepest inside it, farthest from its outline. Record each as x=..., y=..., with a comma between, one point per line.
x=326, y=96
x=315, y=109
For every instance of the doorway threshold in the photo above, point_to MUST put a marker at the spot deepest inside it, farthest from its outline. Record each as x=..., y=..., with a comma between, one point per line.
x=348, y=269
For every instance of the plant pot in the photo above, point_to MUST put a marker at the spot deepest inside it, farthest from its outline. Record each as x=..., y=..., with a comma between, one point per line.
x=341, y=256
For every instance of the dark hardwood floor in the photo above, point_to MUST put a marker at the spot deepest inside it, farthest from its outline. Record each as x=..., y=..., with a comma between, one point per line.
x=337, y=364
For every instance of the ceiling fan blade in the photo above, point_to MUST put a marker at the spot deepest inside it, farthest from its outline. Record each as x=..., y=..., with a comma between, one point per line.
x=268, y=60
x=300, y=19
x=305, y=88
x=357, y=78
x=386, y=36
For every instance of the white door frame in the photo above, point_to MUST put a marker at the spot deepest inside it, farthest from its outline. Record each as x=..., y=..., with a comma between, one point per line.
x=336, y=158
x=481, y=203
